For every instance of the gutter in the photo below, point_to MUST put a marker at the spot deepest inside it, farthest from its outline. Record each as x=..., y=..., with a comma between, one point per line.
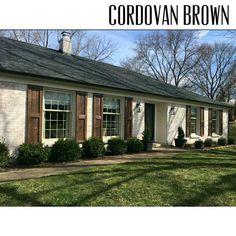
x=221, y=104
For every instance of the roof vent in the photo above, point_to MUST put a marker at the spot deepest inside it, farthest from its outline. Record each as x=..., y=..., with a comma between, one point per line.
x=65, y=43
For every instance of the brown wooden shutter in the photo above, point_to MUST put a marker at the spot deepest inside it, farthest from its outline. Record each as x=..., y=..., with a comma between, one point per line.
x=220, y=122
x=202, y=121
x=188, y=120
x=34, y=114
x=209, y=122
x=97, y=115
x=81, y=116
x=128, y=118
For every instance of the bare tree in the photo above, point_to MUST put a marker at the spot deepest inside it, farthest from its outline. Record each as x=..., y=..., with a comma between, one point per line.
x=93, y=47
x=227, y=91
x=134, y=64
x=78, y=41
x=167, y=55
x=2, y=33
x=214, y=74
x=235, y=110
x=38, y=37
x=230, y=34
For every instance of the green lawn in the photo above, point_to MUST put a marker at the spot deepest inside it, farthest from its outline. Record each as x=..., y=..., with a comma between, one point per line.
x=207, y=179
x=232, y=130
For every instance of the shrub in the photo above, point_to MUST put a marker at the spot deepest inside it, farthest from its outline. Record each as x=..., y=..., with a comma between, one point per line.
x=4, y=154
x=208, y=142
x=221, y=141
x=214, y=143
x=134, y=145
x=231, y=141
x=93, y=147
x=180, y=142
x=31, y=154
x=4, y=160
x=146, y=139
x=65, y=150
x=117, y=146
x=188, y=146
x=4, y=151
x=180, y=133
x=198, y=144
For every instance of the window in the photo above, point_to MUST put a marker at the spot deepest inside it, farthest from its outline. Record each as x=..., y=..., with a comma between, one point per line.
x=193, y=126
x=214, y=121
x=57, y=114
x=111, y=116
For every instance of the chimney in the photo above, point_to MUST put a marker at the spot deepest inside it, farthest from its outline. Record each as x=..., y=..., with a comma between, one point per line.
x=65, y=43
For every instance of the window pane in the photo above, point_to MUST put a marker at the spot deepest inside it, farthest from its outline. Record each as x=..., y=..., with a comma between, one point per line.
x=47, y=134
x=193, y=112
x=60, y=124
x=60, y=115
x=61, y=106
x=47, y=115
x=214, y=121
x=111, y=116
x=54, y=105
x=57, y=100
x=64, y=125
x=213, y=126
x=111, y=105
x=214, y=115
x=193, y=126
x=49, y=95
x=60, y=133
x=111, y=125
x=53, y=124
x=53, y=134
x=53, y=115
x=67, y=106
x=57, y=119
x=47, y=126
x=47, y=104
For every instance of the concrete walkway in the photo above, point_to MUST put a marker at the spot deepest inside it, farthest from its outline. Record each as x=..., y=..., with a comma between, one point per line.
x=48, y=169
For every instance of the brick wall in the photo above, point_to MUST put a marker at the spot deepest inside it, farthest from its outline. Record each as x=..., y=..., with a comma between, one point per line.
x=12, y=113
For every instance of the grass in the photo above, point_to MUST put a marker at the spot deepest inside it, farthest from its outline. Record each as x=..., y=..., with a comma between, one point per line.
x=232, y=130
x=189, y=179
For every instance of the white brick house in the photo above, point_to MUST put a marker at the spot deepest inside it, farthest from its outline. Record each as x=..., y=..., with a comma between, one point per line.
x=47, y=94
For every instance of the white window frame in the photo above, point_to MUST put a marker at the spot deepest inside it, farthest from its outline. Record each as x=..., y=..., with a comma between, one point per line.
x=196, y=119
x=217, y=122
x=50, y=141
x=105, y=137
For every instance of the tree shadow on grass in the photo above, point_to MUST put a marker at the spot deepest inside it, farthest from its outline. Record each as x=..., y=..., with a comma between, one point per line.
x=224, y=152
x=13, y=193
x=126, y=175
x=95, y=194
x=32, y=198
x=171, y=166
x=187, y=165
x=225, y=184
x=19, y=198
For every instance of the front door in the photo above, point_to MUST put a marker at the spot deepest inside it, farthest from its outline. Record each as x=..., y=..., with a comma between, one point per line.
x=150, y=118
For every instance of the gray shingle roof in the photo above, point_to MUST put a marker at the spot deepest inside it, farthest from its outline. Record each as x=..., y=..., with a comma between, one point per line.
x=30, y=59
